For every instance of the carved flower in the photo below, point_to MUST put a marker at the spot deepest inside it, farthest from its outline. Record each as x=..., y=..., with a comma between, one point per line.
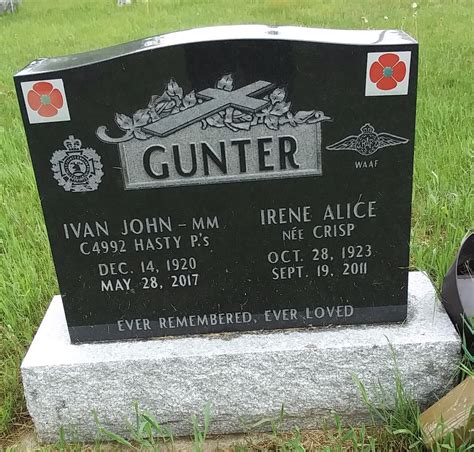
x=44, y=99
x=272, y=114
x=387, y=71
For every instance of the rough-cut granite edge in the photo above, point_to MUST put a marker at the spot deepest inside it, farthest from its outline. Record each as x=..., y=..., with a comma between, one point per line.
x=244, y=377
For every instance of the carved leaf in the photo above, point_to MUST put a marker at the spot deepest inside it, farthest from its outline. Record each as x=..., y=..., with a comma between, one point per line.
x=174, y=90
x=168, y=106
x=271, y=122
x=123, y=121
x=215, y=121
x=288, y=119
x=226, y=83
x=303, y=116
x=140, y=118
x=189, y=100
x=277, y=95
x=162, y=107
x=264, y=112
x=280, y=108
x=140, y=134
x=155, y=100
x=153, y=115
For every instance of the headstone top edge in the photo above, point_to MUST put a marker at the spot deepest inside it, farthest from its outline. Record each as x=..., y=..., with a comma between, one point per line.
x=220, y=33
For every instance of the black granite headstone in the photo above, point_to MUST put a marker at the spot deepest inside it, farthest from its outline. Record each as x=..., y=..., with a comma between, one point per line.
x=226, y=179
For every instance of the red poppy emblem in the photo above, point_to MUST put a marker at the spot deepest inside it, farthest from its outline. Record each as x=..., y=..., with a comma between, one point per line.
x=388, y=71
x=45, y=99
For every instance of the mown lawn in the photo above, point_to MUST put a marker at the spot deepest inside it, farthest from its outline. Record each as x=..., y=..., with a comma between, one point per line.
x=443, y=200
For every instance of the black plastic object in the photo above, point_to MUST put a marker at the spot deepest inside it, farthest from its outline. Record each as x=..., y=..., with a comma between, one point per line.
x=458, y=293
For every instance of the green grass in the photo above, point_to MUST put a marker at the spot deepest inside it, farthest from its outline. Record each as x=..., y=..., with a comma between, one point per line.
x=443, y=201
x=400, y=432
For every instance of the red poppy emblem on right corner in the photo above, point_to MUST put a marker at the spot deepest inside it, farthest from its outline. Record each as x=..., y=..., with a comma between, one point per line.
x=387, y=73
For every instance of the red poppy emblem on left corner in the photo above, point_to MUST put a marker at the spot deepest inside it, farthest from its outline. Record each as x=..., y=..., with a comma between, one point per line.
x=388, y=71
x=45, y=99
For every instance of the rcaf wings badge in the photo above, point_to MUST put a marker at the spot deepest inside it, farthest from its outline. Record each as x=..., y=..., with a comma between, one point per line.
x=367, y=142
x=75, y=168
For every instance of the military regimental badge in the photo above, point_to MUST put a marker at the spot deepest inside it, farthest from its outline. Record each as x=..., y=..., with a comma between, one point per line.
x=75, y=168
x=368, y=142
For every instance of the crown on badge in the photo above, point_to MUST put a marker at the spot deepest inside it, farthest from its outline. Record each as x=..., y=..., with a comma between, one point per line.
x=367, y=128
x=72, y=143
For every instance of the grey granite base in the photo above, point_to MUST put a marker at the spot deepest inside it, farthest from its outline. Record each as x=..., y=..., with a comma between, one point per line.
x=244, y=377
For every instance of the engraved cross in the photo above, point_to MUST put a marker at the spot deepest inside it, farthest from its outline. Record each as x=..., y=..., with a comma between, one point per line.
x=215, y=101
